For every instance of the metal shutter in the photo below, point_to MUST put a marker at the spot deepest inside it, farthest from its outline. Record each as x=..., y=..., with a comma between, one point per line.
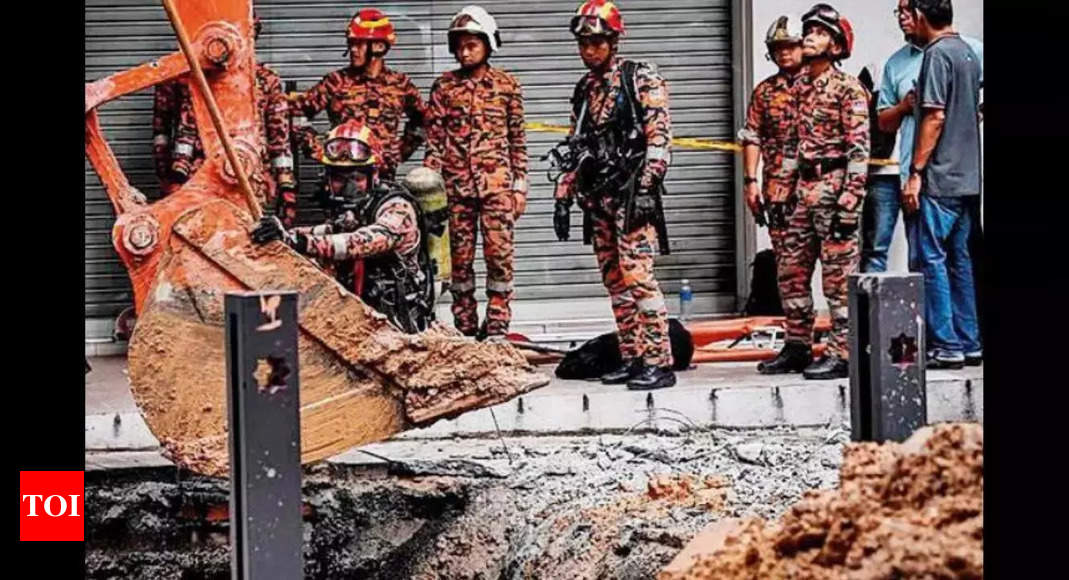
x=690, y=40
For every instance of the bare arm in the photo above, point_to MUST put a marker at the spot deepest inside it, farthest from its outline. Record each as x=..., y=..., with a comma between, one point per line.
x=931, y=127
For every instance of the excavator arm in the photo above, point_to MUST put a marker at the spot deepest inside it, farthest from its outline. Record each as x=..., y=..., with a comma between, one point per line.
x=361, y=378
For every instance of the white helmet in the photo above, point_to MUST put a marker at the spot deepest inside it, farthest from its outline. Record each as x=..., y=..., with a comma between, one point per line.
x=474, y=20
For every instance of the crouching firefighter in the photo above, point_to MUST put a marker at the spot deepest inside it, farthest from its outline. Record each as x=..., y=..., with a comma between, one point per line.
x=614, y=163
x=376, y=241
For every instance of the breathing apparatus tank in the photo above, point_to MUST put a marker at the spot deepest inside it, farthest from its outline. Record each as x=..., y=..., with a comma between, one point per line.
x=428, y=187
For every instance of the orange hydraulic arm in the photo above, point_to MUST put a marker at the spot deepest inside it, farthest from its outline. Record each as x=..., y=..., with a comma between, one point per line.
x=361, y=379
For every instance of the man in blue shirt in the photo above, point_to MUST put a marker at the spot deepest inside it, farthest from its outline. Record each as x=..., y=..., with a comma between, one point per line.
x=895, y=103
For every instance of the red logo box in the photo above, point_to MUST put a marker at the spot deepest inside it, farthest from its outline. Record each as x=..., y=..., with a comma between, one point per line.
x=51, y=506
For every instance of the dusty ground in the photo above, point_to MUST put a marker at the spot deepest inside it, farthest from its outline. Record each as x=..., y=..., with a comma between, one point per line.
x=913, y=510
x=610, y=506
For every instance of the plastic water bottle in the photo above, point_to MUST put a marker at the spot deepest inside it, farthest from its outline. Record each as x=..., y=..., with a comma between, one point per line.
x=686, y=300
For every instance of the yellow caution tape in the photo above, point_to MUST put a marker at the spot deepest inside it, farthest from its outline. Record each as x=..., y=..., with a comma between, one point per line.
x=685, y=142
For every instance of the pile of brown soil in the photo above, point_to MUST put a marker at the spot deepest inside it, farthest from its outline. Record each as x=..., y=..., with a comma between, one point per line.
x=910, y=510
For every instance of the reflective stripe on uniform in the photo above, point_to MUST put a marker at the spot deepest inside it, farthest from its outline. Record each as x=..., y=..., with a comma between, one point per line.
x=748, y=137
x=804, y=303
x=341, y=246
x=658, y=154
x=501, y=286
x=300, y=121
x=183, y=149
x=161, y=140
x=462, y=286
x=857, y=167
x=790, y=164
x=652, y=304
x=283, y=161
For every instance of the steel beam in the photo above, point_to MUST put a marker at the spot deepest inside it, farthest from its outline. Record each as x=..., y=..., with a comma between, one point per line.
x=263, y=404
x=887, y=381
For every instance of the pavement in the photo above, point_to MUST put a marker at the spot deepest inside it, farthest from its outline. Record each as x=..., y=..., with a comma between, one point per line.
x=708, y=395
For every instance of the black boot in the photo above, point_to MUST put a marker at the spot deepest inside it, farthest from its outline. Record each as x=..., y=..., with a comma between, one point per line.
x=651, y=377
x=794, y=358
x=622, y=374
x=828, y=367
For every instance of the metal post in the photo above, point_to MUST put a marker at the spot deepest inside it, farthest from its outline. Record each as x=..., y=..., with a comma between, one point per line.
x=887, y=384
x=266, y=529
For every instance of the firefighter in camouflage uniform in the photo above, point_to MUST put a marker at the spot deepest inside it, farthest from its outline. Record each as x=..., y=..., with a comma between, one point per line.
x=376, y=240
x=771, y=136
x=623, y=107
x=173, y=115
x=476, y=140
x=833, y=151
x=367, y=91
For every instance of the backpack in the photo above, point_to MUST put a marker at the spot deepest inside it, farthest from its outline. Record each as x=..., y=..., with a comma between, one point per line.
x=764, y=297
x=602, y=354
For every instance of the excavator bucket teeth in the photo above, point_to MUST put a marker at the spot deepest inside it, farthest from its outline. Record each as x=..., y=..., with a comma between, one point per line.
x=361, y=379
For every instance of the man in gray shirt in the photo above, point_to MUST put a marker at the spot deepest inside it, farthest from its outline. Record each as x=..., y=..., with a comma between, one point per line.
x=944, y=184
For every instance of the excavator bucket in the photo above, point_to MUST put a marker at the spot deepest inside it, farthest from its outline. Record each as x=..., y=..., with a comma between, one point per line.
x=361, y=378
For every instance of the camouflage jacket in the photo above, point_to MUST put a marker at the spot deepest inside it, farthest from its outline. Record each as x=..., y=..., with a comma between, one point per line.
x=270, y=101
x=771, y=124
x=395, y=229
x=601, y=92
x=475, y=134
x=164, y=121
x=177, y=149
x=834, y=123
x=378, y=102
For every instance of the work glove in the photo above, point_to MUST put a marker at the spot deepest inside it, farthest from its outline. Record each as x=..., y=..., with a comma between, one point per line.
x=345, y=223
x=645, y=211
x=843, y=225
x=270, y=229
x=562, y=218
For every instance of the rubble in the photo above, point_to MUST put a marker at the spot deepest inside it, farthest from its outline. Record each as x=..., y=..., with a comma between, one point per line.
x=616, y=515
x=910, y=510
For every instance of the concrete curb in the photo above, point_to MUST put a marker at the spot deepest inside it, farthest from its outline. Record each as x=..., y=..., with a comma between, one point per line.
x=122, y=440
x=800, y=404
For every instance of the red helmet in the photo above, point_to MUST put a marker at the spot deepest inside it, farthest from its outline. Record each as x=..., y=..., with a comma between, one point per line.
x=371, y=24
x=597, y=18
x=841, y=29
x=351, y=144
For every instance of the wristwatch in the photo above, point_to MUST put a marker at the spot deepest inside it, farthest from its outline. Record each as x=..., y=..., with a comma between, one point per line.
x=914, y=170
x=747, y=180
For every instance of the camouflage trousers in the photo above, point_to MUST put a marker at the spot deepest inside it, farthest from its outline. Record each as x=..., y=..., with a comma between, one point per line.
x=494, y=214
x=626, y=264
x=805, y=239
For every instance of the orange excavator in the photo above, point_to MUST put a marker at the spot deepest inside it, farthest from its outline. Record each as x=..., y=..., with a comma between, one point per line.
x=361, y=379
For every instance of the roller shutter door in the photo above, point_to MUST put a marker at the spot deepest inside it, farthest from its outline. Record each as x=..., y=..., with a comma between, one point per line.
x=689, y=40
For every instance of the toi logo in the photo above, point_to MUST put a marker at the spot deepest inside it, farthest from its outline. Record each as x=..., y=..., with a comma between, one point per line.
x=51, y=504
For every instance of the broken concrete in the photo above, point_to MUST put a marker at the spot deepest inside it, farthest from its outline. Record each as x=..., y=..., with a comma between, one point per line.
x=609, y=506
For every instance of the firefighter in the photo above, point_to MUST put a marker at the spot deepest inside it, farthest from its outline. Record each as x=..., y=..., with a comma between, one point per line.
x=476, y=140
x=376, y=240
x=277, y=185
x=368, y=91
x=833, y=151
x=771, y=135
x=621, y=120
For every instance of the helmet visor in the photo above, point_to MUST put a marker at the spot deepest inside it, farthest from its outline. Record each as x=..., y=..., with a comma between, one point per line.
x=347, y=150
x=586, y=25
x=823, y=12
